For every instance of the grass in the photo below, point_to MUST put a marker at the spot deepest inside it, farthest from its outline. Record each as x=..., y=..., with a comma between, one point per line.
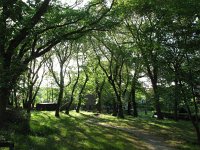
x=87, y=131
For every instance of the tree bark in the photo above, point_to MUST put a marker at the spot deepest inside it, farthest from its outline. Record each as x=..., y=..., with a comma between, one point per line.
x=60, y=97
x=129, y=107
x=4, y=96
x=99, y=89
x=114, y=113
x=120, y=113
x=29, y=98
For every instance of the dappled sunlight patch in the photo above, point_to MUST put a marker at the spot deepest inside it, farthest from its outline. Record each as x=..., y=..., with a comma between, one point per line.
x=159, y=125
x=174, y=142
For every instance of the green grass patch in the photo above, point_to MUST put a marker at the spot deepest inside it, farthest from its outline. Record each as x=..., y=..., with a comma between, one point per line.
x=102, y=132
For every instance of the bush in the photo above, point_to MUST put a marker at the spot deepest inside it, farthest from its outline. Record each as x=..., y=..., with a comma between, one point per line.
x=17, y=120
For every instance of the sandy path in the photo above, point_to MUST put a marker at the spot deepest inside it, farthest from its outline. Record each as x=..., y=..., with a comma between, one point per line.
x=152, y=141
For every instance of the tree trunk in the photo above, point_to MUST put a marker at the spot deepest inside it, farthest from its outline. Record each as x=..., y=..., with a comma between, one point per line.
x=72, y=97
x=80, y=94
x=176, y=92
x=114, y=113
x=15, y=97
x=120, y=113
x=79, y=104
x=99, y=109
x=99, y=89
x=29, y=107
x=4, y=96
x=30, y=99
x=157, y=100
x=69, y=105
x=196, y=126
x=73, y=89
x=135, y=112
x=129, y=107
x=60, y=97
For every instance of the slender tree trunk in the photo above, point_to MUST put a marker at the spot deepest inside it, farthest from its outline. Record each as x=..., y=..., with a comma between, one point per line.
x=15, y=97
x=69, y=105
x=72, y=96
x=99, y=105
x=11, y=101
x=80, y=94
x=30, y=99
x=176, y=92
x=120, y=113
x=135, y=112
x=60, y=97
x=79, y=103
x=133, y=96
x=74, y=87
x=52, y=94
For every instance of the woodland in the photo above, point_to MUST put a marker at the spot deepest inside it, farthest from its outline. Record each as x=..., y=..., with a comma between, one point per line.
x=96, y=68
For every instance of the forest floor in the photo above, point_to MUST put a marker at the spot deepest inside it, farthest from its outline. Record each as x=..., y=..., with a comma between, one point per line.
x=88, y=130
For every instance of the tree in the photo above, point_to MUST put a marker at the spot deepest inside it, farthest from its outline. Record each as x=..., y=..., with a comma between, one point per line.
x=40, y=25
x=115, y=54
x=69, y=103
x=80, y=94
x=62, y=54
x=173, y=26
x=83, y=66
x=33, y=82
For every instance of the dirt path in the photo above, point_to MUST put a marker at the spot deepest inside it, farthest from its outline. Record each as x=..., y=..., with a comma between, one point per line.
x=152, y=141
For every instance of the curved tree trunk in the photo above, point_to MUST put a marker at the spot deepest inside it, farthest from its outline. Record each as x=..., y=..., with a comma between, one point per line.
x=73, y=89
x=80, y=94
x=72, y=96
x=120, y=112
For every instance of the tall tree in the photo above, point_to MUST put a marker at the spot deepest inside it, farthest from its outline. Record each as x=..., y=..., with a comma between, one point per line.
x=41, y=25
x=33, y=82
x=69, y=103
x=115, y=55
x=62, y=53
